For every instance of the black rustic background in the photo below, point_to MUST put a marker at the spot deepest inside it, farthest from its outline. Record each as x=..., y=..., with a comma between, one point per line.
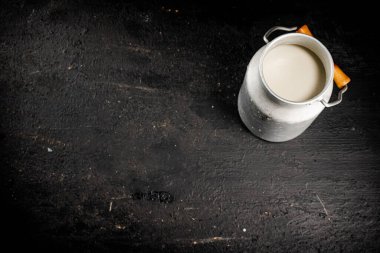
x=120, y=132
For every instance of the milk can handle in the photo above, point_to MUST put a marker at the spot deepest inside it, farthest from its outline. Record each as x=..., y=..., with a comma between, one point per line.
x=275, y=28
x=338, y=100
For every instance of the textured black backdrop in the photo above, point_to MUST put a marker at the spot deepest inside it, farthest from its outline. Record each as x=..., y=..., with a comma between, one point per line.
x=119, y=131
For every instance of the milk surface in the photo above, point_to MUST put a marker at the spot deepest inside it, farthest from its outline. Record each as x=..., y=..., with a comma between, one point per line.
x=294, y=72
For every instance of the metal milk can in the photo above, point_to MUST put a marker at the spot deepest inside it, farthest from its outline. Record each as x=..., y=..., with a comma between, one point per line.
x=274, y=118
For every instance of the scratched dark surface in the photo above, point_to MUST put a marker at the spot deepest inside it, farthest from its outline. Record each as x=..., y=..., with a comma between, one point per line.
x=120, y=132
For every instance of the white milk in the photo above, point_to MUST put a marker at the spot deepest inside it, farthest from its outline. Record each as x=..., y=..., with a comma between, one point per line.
x=294, y=72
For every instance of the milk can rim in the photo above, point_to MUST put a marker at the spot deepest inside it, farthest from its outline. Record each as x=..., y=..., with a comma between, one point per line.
x=316, y=98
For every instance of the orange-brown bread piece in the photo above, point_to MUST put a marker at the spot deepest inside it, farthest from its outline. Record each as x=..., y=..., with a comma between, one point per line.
x=340, y=78
x=305, y=30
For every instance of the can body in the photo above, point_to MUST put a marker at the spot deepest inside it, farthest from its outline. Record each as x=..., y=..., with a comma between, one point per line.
x=266, y=115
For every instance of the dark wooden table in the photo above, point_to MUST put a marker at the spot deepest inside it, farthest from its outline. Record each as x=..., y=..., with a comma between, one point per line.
x=120, y=131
